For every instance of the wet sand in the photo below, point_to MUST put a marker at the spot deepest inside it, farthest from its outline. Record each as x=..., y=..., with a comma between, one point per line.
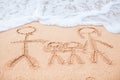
x=39, y=52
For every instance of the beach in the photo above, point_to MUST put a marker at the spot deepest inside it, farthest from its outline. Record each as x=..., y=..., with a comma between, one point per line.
x=39, y=52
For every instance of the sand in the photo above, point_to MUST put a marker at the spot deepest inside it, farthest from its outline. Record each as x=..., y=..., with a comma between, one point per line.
x=38, y=52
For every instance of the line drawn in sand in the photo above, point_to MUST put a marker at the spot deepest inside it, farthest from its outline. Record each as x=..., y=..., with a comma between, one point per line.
x=90, y=78
x=87, y=33
x=74, y=47
x=54, y=48
x=32, y=61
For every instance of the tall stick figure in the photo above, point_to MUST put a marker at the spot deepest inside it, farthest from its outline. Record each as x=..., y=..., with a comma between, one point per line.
x=54, y=48
x=87, y=32
x=32, y=61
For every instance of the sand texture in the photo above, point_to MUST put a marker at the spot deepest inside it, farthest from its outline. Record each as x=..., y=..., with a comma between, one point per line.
x=38, y=52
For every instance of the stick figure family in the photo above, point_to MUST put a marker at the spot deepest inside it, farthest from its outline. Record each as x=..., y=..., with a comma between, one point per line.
x=56, y=47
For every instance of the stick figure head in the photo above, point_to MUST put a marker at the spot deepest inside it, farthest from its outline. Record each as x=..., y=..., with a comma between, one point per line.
x=72, y=45
x=55, y=46
x=26, y=30
x=88, y=30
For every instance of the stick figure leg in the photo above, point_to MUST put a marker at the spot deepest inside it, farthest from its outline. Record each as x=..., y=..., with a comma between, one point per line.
x=78, y=59
x=70, y=61
x=32, y=61
x=105, y=58
x=94, y=57
x=72, y=56
x=52, y=58
x=15, y=61
x=59, y=59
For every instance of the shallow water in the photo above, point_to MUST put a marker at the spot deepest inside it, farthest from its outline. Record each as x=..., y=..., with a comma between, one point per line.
x=62, y=13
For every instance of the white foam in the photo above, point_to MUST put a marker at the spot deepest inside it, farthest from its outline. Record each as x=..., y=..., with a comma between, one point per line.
x=62, y=13
x=14, y=13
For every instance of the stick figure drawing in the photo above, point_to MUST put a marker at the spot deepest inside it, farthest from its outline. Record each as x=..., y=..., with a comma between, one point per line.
x=54, y=48
x=87, y=34
x=32, y=61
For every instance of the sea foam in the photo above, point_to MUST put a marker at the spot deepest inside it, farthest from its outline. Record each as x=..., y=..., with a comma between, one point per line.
x=61, y=13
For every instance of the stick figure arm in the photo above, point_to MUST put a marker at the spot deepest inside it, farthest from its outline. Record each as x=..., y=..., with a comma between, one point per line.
x=39, y=40
x=104, y=43
x=18, y=41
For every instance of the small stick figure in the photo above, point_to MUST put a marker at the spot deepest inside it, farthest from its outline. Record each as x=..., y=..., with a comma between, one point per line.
x=73, y=47
x=54, y=48
x=87, y=32
x=25, y=54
